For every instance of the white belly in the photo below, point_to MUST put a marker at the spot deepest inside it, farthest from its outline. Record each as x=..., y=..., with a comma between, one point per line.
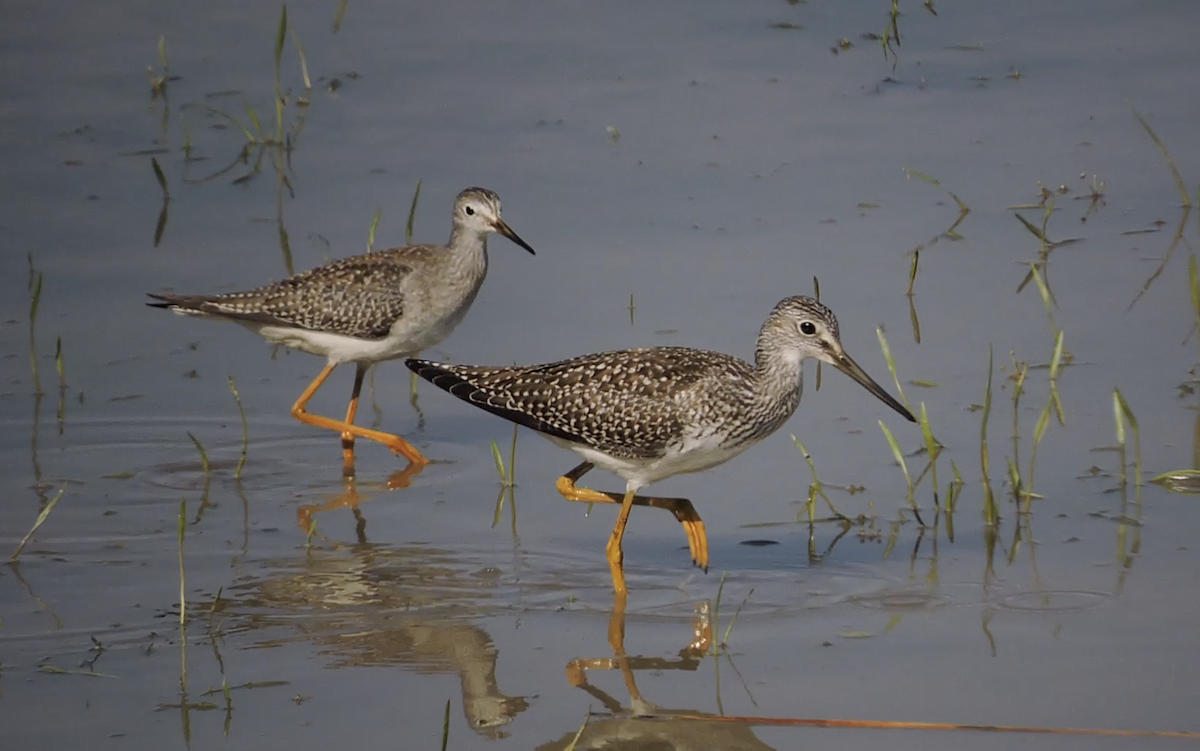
x=335, y=347
x=693, y=455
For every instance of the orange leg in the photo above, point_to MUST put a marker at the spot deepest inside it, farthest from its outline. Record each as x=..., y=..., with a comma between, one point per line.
x=394, y=442
x=616, y=557
x=682, y=508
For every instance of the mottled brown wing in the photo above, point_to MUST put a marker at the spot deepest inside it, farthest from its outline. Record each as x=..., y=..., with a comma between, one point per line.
x=358, y=296
x=623, y=403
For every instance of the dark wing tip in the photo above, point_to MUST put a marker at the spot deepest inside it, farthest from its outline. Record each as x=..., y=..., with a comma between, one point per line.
x=461, y=386
x=164, y=301
x=427, y=369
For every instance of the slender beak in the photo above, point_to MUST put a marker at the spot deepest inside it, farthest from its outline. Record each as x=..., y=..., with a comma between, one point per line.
x=844, y=363
x=505, y=230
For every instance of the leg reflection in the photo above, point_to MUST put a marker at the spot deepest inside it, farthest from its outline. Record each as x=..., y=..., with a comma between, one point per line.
x=665, y=729
x=689, y=658
x=354, y=493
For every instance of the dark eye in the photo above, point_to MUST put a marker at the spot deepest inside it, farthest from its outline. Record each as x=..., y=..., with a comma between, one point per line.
x=808, y=328
x=470, y=211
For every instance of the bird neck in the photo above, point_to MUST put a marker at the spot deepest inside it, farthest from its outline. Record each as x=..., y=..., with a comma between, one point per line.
x=779, y=370
x=468, y=251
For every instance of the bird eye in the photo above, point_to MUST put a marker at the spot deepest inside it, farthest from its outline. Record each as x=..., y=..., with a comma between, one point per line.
x=470, y=211
x=808, y=328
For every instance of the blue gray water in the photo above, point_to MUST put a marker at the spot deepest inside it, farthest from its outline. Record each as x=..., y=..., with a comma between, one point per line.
x=703, y=162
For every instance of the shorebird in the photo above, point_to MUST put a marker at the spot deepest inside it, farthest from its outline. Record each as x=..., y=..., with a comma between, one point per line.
x=647, y=414
x=366, y=309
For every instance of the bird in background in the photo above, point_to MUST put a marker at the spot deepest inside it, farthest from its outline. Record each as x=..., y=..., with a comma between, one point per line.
x=648, y=414
x=366, y=309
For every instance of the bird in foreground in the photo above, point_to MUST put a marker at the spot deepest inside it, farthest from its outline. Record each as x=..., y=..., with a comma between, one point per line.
x=647, y=414
x=366, y=309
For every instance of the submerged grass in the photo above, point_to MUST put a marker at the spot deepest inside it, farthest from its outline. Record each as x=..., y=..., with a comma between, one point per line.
x=35, y=299
x=815, y=488
x=950, y=233
x=1162, y=149
x=61, y=368
x=237, y=474
x=1186, y=203
x=182, y=528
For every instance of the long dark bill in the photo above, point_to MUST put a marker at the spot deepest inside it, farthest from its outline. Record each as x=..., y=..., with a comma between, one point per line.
x=846, y=364
x=507, y=231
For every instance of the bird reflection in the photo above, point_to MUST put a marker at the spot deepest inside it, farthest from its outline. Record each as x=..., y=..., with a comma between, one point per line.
x=368, y=604
x=646, y=726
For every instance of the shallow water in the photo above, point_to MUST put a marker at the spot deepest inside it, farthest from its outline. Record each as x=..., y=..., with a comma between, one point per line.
x=744, y=160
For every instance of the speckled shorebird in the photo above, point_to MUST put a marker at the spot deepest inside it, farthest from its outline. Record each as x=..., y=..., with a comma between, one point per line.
x=647, y=414
x=368, y=308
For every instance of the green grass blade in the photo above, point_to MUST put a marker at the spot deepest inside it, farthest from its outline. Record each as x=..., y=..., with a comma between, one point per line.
x=303, y=60
x=374, y=226
x=991, y=514
x=446, y=726
x=1047, y=296
x=338, y=14
x=732, y=621
x=891, y=363
x=1037, y=232
x=203, y=453
x=412, y=214
x=253, y=121
x=499, y=462
x=891, y=439
x=280, y=36
x=1194, y=284
x=1040, y=429
x=1137, y=440
x=931, y=447
x=579, y=732
x=58, y=361
x=158, y=175
x=41, y=519
x=1117, y=417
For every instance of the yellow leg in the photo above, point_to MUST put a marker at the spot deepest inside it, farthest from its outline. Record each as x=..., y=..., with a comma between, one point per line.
x=394, y=442
x=616, y=557
x=682, y=508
